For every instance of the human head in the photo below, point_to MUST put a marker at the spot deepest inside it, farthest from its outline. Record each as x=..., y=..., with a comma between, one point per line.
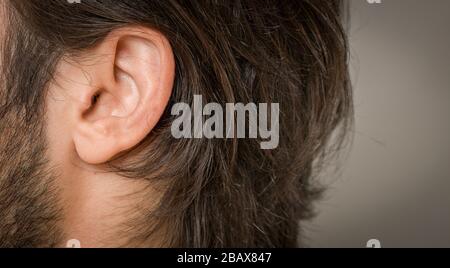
x=86, y=123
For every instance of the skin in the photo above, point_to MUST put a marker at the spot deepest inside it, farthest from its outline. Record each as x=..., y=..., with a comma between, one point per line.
x=81, y=158
x=99, y=105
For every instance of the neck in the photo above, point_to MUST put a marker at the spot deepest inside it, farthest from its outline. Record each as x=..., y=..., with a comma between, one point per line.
x=106, y=210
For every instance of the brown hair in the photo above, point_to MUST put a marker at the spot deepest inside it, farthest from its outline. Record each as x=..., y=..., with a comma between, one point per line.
x=221, y=193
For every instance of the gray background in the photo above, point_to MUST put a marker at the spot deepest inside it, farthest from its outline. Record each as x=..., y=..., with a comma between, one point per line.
x=394, y=183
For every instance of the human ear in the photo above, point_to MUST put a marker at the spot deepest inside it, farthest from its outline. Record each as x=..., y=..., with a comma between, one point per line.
x=130, y=84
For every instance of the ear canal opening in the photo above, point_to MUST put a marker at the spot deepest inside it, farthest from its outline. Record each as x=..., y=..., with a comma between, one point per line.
x=95, y=98
x=94, y=101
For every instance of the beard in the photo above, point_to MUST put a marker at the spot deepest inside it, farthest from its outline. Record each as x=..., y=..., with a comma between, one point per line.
x=30, y=212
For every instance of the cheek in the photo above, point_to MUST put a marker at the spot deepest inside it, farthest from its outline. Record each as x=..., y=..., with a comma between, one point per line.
x=59, y=102
x=58, y=128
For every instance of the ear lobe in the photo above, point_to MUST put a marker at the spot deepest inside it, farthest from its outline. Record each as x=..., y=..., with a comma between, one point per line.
x=132, y=90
